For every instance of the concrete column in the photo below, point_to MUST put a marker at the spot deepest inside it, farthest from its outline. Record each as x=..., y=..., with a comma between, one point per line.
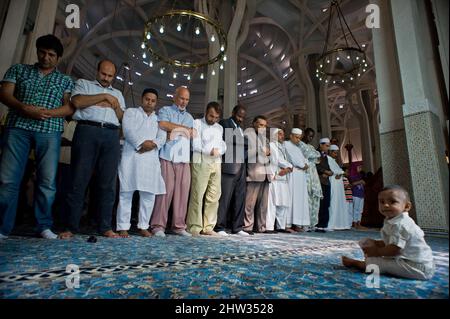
x=231, y=65
x=366, y=137
x=423, y=114
x=376, y=148
x=212, y=81
x=393, y=148
x=9, y=39
x=324, y=111
x=440, y=11
x=354, y=100
x=44, y=24
x=305, y=82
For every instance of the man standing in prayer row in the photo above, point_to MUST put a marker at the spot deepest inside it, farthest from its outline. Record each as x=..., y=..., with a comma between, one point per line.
x=258, y=177
x=299, y=212
x=338, y=204
x=324, y=171
x=208, y=148
x=95, y=147
x=279, y=192
x=312, y=178
x=38, y=100
x=232, y=200
x=139, y=168
x=174, y=158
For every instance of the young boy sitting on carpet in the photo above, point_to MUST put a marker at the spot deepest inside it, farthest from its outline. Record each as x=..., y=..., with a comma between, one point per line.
x=403, y=251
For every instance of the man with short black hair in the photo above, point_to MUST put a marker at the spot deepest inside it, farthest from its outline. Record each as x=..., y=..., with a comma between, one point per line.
x=38, y=98
x=139, y=168
x=95, y=147
x=232, y=200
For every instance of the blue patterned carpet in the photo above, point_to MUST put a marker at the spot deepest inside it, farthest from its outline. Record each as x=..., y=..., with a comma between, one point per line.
x=299, y=266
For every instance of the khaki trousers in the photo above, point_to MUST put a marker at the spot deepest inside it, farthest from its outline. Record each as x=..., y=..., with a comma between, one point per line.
x=205, y=188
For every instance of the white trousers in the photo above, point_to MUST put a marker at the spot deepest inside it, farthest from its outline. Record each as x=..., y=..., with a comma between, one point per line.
x=276, y=214
x=358, y=207
x=350, y=213
x=146, y=203
x=402, y=268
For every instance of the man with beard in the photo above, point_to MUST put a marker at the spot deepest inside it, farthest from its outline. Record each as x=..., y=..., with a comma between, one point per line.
x=208, y=148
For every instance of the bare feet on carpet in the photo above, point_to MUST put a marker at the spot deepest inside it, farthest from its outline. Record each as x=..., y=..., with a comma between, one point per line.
x=353, y=263
x=65, y=235
x=145, y=233
x=123, y=234
x=111, y=234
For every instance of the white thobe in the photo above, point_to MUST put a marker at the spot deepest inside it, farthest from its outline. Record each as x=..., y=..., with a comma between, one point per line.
x=338, y=204
x=141, y=172
x=299, y=212
x=279, y=192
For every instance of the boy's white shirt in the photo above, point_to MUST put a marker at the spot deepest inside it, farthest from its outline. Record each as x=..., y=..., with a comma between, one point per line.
x=404, y=233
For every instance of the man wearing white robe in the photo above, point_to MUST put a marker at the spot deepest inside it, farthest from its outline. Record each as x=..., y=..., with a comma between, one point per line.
x=139, y=168
x=338, y=204
x=279, y=192
x=299, y=212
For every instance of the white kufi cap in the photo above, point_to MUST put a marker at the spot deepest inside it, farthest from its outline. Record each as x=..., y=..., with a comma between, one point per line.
x=334, y=147
x=297, y=131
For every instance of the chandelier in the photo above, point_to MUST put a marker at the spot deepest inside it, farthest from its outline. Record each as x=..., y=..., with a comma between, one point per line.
x=191, y=30
x=345, y=63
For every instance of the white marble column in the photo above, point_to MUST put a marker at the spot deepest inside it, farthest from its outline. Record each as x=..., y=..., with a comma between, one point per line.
x=423, y=114
x=231, y=65
x=212, y=81
x=9, y=39
x=440, y=11
x=44, y=24
x=393, y=147
x=324, y=111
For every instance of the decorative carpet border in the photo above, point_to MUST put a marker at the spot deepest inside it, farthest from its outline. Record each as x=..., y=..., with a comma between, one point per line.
x=58, y=273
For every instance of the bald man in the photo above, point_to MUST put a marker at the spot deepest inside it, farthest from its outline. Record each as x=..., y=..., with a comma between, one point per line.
x=175, y=170
x=95, y=147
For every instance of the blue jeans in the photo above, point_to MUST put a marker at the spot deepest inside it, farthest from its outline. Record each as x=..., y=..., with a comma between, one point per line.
x=16, y=149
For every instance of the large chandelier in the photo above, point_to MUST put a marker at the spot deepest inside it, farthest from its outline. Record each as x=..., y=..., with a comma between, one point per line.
x=193, y=28
x=342, y=64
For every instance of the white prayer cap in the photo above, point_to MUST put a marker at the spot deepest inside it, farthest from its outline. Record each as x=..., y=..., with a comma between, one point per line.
x=297, y=131
x=324, y=140
x=275, y=132
x=334, y=147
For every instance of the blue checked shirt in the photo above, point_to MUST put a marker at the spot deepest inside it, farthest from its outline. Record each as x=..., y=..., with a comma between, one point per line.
x=33, y=88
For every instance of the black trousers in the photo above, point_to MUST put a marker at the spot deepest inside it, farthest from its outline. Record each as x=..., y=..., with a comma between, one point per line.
x=233, y=188
x=93, y=149
x=324, y=210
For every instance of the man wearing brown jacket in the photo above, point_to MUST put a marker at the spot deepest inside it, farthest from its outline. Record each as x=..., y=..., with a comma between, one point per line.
x=258, y=177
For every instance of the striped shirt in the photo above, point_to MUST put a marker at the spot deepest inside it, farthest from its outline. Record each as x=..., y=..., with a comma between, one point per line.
x=348, y=190
x=34, y=88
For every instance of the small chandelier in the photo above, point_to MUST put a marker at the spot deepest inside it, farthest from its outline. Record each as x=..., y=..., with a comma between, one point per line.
x=196, y=25
x=344, y=64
